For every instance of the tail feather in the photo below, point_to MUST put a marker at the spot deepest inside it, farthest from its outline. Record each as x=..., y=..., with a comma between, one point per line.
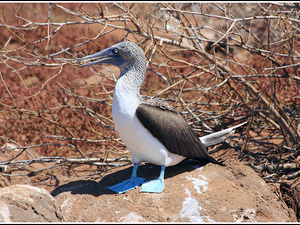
x=218, y=137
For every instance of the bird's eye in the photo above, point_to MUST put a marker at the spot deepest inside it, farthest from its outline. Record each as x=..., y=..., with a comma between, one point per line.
x=116, y=51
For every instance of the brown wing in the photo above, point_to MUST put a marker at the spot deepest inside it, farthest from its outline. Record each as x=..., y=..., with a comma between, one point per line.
x=172, y=131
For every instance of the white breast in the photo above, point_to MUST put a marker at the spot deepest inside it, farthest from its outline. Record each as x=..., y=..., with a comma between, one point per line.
x=139, y=141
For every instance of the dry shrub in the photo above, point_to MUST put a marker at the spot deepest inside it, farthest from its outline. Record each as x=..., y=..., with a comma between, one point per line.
x=218, y=64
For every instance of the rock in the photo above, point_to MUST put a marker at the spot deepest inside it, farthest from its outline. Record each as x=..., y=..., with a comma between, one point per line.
x=193, y=193
x=25, y=203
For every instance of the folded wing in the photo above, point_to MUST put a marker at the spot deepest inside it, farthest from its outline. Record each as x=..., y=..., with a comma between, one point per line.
x=171, y=130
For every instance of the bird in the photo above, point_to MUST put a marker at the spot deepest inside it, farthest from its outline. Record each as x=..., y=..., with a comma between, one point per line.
x=150, y=129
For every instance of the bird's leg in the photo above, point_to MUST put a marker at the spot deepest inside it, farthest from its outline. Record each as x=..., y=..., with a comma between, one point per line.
x=157, y=185
x=132, y=183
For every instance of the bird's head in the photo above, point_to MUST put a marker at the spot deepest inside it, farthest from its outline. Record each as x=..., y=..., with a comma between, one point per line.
x=121, y=54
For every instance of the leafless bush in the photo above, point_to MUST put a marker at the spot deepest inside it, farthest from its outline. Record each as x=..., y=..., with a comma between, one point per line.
x=217, y=64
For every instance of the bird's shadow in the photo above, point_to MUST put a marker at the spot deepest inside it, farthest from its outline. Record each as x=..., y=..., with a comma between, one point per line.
x=147, y=171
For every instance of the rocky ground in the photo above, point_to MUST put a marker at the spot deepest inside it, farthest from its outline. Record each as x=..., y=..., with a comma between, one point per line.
x=194, y=192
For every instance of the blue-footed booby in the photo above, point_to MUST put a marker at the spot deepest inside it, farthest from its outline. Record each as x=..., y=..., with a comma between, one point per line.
x=149, y=128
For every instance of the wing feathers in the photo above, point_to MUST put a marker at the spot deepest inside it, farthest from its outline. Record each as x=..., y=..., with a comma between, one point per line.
x=171, y=130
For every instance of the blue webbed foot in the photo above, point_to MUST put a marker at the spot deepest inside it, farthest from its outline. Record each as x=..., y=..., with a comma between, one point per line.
x=132, y=183
x=157, y=185
x=127, y=185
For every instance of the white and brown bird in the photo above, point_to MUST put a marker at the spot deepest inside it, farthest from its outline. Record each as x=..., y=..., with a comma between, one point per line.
x=149, y=128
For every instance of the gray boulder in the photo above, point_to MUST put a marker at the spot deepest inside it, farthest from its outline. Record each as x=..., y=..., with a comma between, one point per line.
x=25, y=203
